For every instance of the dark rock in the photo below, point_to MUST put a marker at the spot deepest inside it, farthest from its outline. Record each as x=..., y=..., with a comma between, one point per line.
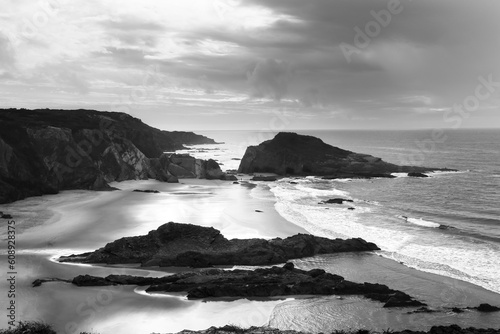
x=265, y=282
x=187, y=245
x=44, y=151
x=264, y=178
x=228, y=177
x=457, y=310
x=37, y=282
x=258, y=210
x=487, y=308
x=146, y=191
x=416, y=174
x=87, y=280
x=235, y=159
x=290, y=153
x=423, y=309
x=316, y=272
x=236, y=182
x=336, y=201
x=6, y=216
x=351, y=208
x=293, y=182
x=229, y=329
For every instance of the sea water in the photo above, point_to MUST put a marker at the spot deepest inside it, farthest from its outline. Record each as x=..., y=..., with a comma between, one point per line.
x=448, y=223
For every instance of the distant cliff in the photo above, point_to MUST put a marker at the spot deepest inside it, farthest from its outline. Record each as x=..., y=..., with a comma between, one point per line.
x=293, y=154
x=44, y=151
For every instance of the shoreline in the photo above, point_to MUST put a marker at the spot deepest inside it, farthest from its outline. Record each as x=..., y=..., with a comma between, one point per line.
x=225, y=206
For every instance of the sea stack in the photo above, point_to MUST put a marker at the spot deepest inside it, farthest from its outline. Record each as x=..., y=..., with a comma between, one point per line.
x=293, y=154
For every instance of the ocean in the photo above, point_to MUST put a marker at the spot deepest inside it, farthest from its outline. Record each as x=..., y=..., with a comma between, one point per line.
x=77, y=221
x=446, y=224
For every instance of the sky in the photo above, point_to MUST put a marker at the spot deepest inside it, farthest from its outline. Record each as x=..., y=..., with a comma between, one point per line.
x=257, y=64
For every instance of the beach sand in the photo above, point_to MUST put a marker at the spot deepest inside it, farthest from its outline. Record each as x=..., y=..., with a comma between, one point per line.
x=77, y=221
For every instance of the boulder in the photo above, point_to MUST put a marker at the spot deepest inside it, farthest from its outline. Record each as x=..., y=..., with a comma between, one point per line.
x=487, y=308
x=336, y=201
x=264, y=178
x=416, y=174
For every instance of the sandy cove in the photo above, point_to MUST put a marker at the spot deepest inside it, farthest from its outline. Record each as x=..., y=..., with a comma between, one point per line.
x=78, y=221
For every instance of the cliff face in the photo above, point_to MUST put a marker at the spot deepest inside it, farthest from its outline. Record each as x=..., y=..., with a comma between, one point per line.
x=43, y=151
x=290, y=153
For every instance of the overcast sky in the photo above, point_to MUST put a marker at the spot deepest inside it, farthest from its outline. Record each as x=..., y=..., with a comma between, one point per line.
x=257, y=64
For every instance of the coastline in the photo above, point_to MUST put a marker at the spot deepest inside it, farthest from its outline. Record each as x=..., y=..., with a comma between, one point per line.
x=85, y=220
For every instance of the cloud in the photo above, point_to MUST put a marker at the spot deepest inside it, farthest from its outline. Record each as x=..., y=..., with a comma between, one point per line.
x=6, y=53
x=269, y=78
x=253, y=56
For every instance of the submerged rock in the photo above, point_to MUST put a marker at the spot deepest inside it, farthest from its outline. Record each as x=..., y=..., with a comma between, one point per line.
x=187, y=245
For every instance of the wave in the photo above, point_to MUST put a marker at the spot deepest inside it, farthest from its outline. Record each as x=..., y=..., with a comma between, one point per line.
x=445, y=172
x=400, y=174
x=420, y=222
x=446, y=254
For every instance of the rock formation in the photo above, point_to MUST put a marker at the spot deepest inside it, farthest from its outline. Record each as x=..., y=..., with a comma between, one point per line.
x=188, y=245
x=293, y=154
x=264, y=282
x=451, y=329
x=44, y=151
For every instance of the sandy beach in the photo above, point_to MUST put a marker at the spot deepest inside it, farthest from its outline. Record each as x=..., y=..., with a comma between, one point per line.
x=77, y=221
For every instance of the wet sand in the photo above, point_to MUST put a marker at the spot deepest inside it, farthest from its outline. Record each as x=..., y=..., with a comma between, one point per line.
x=76, y=221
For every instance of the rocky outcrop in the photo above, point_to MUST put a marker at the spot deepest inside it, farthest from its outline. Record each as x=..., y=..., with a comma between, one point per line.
x=188, y=245
x=264, y=282
x=415, y=174
x=487, y=308
x=293, y=154
x=44, y=151
x=336, y=201
x=230, y=329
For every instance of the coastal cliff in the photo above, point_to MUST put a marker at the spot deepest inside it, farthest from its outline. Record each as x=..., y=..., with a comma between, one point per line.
x=188, y=245
x=44, y=151
x=293, y=154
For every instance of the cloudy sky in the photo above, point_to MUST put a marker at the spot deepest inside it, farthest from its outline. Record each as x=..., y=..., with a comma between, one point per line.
x=257, y=64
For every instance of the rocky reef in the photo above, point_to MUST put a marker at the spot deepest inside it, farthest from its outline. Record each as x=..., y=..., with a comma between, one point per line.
x=188, y=245
x=44, y=151
x=451, y=329
x=262, y=282
x=293, y=154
